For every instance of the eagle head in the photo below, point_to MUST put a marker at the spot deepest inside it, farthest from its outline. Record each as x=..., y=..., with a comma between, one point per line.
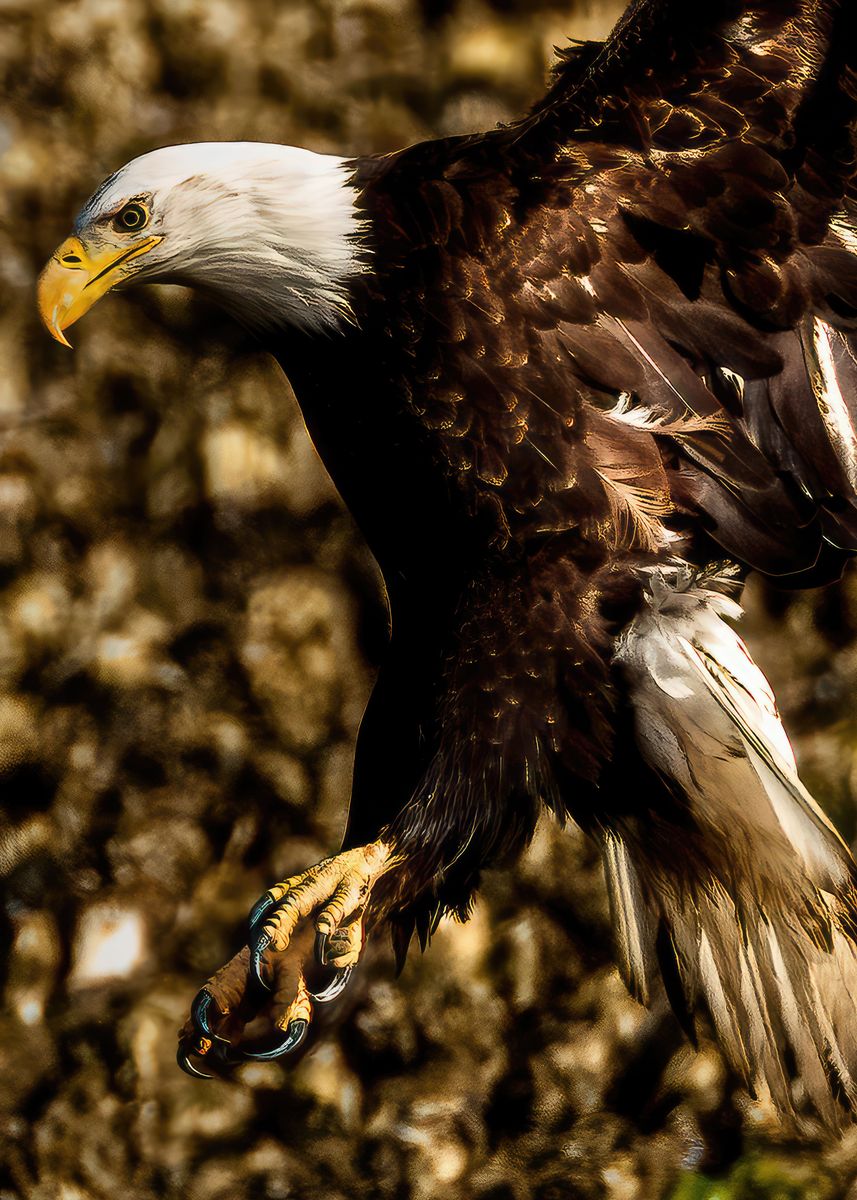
x=274, y=233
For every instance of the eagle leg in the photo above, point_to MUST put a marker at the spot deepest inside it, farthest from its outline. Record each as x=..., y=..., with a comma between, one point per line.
x=336, y=893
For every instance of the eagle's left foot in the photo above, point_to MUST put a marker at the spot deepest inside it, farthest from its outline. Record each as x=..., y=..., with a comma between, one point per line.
x=264, y=978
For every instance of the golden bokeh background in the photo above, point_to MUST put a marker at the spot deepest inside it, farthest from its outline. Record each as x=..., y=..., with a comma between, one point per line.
x=188, y=626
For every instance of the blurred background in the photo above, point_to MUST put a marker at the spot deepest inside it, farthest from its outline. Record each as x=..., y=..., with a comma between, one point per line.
x=188, y=627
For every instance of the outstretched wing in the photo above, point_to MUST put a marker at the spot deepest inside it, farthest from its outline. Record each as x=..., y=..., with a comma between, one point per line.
x=732, y=131
x=633, y=314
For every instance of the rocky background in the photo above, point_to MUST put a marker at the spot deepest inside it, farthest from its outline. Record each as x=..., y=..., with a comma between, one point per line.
x=188, y=622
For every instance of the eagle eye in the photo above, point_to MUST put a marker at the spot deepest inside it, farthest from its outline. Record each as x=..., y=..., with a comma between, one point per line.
x=131, y=218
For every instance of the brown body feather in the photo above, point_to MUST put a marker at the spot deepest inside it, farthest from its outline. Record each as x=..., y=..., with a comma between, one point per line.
x=620, y=331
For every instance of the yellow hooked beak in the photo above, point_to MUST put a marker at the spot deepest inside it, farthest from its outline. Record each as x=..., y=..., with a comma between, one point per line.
x=76, y=277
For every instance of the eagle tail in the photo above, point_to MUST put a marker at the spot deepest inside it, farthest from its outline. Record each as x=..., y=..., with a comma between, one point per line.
x=728, y=883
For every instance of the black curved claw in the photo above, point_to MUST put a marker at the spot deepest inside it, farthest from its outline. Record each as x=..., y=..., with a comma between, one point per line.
x=203, y=1002
x=321, y=947
x=260, y=910
x=187, y=1066
x=258, y=946
x=335, y=988
x=295, y=1033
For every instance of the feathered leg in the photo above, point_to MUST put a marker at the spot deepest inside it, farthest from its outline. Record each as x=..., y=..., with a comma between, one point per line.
x=451, y=770
x=307, y=933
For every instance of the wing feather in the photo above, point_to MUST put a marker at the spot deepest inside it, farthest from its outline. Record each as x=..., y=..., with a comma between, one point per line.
x=676, y=216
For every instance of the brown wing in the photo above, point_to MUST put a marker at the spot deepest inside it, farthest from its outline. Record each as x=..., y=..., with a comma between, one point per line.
x=633, y=314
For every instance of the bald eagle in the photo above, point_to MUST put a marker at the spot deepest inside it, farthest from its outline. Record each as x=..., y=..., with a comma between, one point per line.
x=575, y=377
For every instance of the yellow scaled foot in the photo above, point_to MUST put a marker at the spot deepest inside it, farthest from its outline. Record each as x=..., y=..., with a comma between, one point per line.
x=336, y=893
x=337, y=890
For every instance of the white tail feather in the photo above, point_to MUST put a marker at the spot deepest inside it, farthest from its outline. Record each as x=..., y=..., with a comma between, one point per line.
x=752, y=891
x=630, y=916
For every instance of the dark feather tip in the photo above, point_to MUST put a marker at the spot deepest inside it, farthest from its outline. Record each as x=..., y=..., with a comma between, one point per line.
x=401, y=933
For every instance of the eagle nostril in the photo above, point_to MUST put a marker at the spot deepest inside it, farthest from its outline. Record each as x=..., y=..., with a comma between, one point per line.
x=70, y=258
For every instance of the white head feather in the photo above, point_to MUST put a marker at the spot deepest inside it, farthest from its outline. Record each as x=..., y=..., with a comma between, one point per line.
x=272, y=232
